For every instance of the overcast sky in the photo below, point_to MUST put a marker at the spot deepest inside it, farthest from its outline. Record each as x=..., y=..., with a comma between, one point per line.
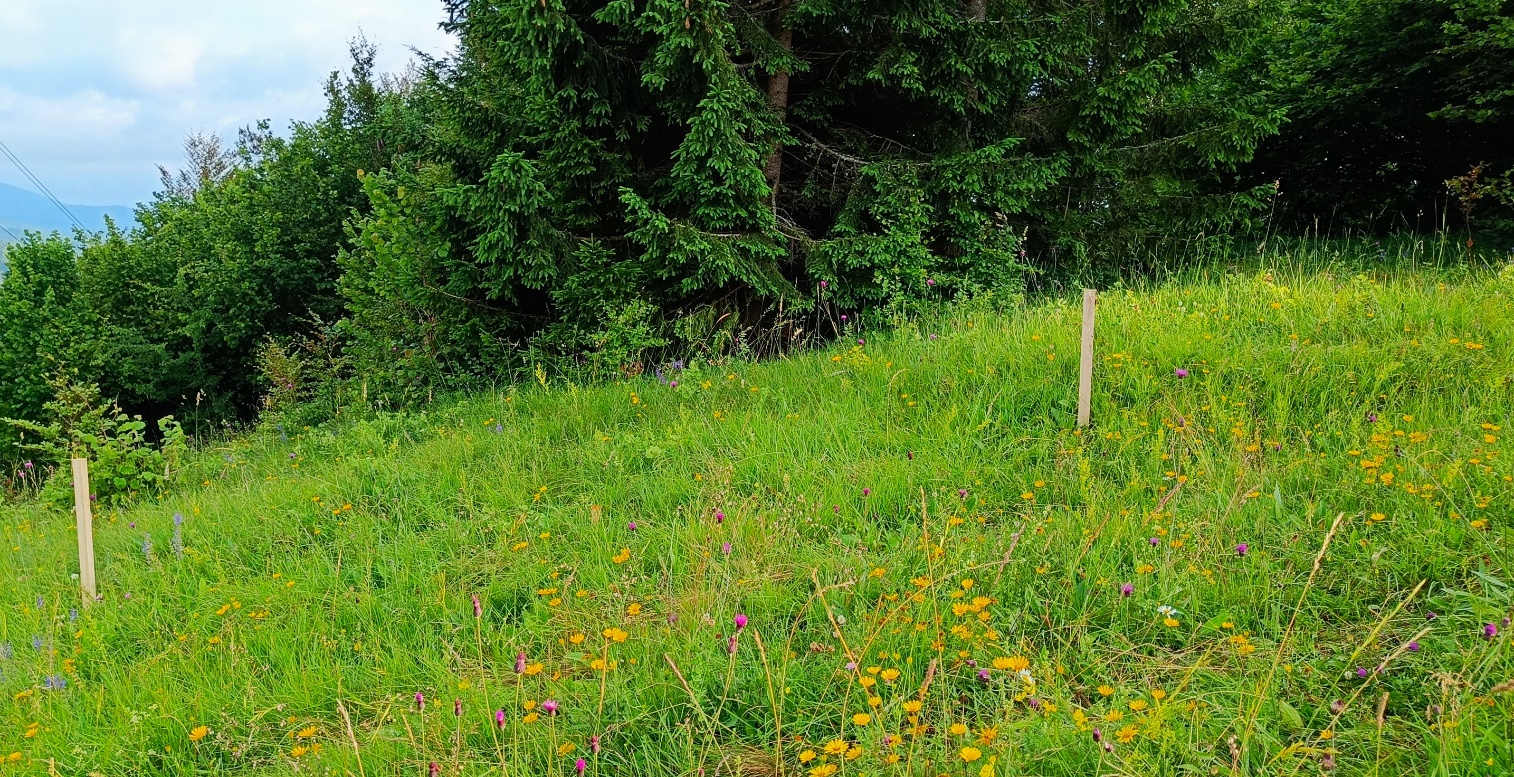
x=95, y=94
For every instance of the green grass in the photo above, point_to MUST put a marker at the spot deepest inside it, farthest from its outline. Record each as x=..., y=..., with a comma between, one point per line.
x=327, y=575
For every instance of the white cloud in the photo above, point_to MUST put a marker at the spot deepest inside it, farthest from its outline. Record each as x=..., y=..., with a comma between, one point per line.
x=97, y=92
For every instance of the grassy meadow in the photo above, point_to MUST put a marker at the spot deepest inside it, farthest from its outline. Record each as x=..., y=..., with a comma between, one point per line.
x=1282, y=548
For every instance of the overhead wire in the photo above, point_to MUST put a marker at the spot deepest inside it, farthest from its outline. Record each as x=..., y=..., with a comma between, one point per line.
x=38, y=183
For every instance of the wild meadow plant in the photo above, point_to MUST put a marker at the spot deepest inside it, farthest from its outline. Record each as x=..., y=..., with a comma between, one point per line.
x=1281, y=548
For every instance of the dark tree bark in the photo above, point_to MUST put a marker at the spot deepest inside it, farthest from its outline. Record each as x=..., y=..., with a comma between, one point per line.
x=778, y=98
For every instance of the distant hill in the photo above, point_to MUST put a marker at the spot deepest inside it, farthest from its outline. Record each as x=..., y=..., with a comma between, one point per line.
x=22, y=210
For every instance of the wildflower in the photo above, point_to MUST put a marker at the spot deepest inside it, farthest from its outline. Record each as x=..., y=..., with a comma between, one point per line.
x=741, y=621
x=983, y=674
x=307, y=732
x=478, y=608
x=1180, y=372
x=725, y=549
x=549, y=706
x=1155, y=542
x=1127, y=589
x=861, y=719
x=632, y=526
x=867, y=492
x=420, y=701
x=1361, y=673
x=1240, y=550
x=457, y=708
x=807, y=756
x=580, y=765
x=499, y=718
x=198, y=733
x=1098, y=736
x=520, y=664
x=594, y=746
x=1106, y=690
x=970, y=754
x=1413, y=646
x=719, y=517
x=1489, y=631
x=930, y=281
x=435, y=769
x=958, y=729
x=1126, y=734
x=835, y=747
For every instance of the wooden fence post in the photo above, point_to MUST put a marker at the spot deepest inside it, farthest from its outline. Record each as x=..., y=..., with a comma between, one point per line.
x=85, y=521
x=1085, y=362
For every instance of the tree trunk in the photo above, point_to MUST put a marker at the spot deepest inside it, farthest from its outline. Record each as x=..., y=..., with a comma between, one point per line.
x=778, y=99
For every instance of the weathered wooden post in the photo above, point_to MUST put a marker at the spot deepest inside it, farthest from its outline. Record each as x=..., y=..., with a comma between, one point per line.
x=1085, y=362
x=84, y=519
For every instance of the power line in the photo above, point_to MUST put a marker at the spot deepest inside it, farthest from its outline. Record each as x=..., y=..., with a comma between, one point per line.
x=38, y=183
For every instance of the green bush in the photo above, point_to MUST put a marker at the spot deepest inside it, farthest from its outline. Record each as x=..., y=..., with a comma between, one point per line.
x=123, y=463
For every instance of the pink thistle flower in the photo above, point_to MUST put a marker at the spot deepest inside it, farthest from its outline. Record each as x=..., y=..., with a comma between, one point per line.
x=1180, y=372
x=1126, y=590
x=594, y=746
x=580, y=765
x=478, y=608
x=741, y=621
x=549, y=706
x=457, y=708
x=499, y=718
x=1241, y=549
x=420, y=701
x=520, y=663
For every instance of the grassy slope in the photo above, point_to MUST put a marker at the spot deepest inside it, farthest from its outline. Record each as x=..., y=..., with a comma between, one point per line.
x=338, y=567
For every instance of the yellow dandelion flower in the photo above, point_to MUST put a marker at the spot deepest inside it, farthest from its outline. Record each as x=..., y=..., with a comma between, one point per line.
x=198, y=733
x=912, y=706
x=854, y=752
x=1159, y=694
x=622, y=557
